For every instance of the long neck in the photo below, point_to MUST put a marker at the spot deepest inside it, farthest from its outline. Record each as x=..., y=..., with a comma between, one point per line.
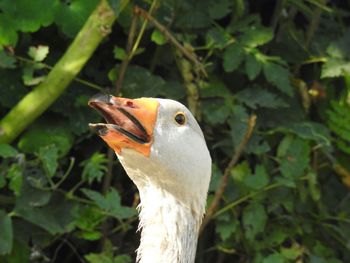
x=169, y=228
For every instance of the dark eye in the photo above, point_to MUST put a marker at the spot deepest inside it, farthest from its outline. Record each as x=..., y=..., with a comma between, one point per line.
x=180, y=118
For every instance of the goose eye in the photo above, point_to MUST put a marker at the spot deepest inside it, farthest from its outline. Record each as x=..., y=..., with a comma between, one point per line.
x=180, y=118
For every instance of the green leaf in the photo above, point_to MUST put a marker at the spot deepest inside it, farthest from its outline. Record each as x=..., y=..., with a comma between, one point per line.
x=87, y=221
x=313, y=186
x=226, y=228
x=252, y=66
x=215, y=112
x=256, y=35
x=94, y=168
x=220, y=8
x=28, y=15
x=254, y=97
x=8, y=34
x=274, y=258
x=259, y=180
x=158, y=38
x=6, y=237
x=6, y=61
x=55, y=217
x=47, y=132
x=7, y=151
x=38, y=53
x=254, y=220
x=15, y=175
x=48, y=155
x=335, y=67
x=119, y=53
x=279, y=76
x=110, y=203
x=71, y=15
x=233, y=57
x=214, y=88
x=294, y=155
x=238, y=122
x=107, y=256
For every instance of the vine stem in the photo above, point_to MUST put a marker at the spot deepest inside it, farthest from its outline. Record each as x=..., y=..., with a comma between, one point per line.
x=224, y=180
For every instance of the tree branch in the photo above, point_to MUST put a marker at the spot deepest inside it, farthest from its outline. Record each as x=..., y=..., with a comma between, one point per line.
x=187, y=53
x=224, y=180
x=97, y=26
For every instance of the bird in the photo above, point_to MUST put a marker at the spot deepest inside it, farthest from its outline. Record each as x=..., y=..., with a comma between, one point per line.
x=163, y=150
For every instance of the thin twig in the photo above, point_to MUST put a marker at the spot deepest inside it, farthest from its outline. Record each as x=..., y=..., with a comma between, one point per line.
x=224, y=180
x=46, y=66
x=126, y=60
x=188, y=54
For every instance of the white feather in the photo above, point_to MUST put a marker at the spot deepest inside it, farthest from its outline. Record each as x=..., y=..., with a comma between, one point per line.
x=173, y=184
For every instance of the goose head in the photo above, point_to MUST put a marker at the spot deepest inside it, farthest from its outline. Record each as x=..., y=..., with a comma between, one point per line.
x=159, y=143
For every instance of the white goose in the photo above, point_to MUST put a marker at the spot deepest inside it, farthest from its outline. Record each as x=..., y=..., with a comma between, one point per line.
x=162, y=148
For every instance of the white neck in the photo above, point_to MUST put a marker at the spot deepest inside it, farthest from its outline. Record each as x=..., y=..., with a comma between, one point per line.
x=169, y=228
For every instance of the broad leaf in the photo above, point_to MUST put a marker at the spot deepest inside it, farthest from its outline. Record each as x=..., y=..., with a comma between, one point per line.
x=279, y=76
x=110, y=203
x=7, y=151
x=254, y=97
x=94, y=168
x=254, y=220
x=233, y=57
x=6, y=237
x=294, y=155
x=48, y=155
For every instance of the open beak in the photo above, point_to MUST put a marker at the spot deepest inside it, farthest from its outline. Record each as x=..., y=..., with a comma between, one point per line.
x=130, y=122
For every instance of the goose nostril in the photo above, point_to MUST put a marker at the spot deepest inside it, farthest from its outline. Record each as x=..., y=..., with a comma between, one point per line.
x=130, y=104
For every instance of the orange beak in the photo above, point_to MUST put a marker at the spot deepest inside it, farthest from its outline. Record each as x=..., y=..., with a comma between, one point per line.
x=130, y=122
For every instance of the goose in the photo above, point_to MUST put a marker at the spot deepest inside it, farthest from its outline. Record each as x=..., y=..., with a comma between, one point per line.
x=162, y=149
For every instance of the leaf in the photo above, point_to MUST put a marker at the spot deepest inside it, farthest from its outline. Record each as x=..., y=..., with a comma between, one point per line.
x=310, y=131
x=254, y=220
x=28, y=15
x=6, y=61
x=38, y=53
x=256, y=35
x=220, y=8
x=48, y=155
x=7, y=151
x=215, y=112
x=15, y=175
x=55, y=217
x=6, y=237
x=225, y=228
x=119, y=53
x=313, y=186
x=47, y=132
x=110, y=203
x=103, y=258
x=252, y=66
x=279, y=76
x=257, y=96
x=158, y=38
x=214, y=88
x=238, y=122
x=94, y=168
x=8, y=34
x=259, y=180
x=233, y=56
x=274, y=258
x=71, y=15
x=335, y=67
x=294, y=155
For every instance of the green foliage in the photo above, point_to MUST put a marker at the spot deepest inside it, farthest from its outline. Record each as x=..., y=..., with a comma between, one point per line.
x=6, y=233
x=110, y=203
x=94, y=167
x=288, y=62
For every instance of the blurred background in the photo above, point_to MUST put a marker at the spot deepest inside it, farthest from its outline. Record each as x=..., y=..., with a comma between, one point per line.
x=268, y=81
